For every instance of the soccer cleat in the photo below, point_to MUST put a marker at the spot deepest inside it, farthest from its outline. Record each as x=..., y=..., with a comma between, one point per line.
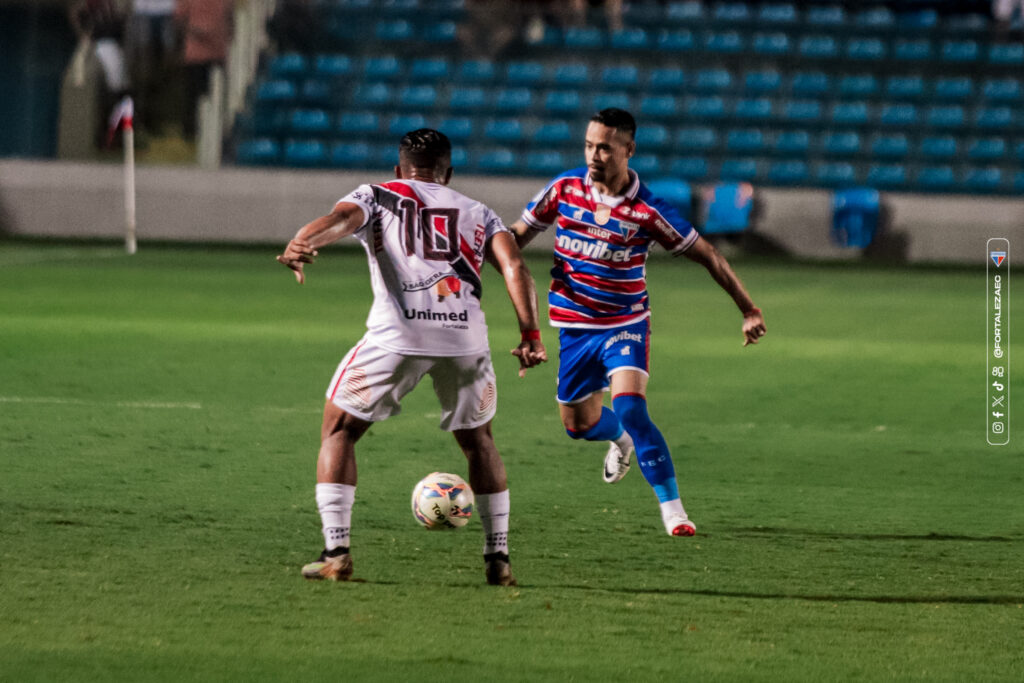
x=616, y=462
x=679, y=525
x=333, y=565
x=498, y=569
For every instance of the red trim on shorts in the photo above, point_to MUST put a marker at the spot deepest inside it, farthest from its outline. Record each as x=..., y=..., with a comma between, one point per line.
x=334, y=392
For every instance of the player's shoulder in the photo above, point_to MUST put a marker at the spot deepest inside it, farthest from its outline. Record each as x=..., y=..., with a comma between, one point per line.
x=645, y=196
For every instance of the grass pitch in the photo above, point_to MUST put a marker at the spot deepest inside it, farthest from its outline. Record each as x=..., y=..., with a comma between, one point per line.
x=159, y=421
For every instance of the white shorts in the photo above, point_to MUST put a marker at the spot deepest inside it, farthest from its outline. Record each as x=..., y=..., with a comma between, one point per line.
x=370, y=383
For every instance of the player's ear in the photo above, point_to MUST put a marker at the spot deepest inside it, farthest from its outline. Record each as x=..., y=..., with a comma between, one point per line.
x=631, y=149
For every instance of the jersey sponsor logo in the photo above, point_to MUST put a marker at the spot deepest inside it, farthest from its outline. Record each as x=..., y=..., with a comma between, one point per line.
x=624, y=336
x=443, y=316
x=427, y=283
x=447, y=287
x=598, y=251
x=599, y=233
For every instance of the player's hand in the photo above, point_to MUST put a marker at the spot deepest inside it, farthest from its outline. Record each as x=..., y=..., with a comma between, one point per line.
x=753, y=326
x=530, y=354
x=296, y=255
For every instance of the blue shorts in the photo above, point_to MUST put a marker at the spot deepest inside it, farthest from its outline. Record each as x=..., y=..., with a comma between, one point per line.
x=587, y=358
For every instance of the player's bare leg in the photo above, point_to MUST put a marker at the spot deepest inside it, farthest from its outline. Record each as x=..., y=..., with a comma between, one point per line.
x=490, y=487
x=590, y=420
x=335, y=492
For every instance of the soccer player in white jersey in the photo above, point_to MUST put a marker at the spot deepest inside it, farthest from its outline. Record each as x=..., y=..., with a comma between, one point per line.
x=426, y=245
x=606, y=222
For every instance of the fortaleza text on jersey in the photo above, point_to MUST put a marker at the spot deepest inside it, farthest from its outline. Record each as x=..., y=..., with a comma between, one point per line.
x=413, y=314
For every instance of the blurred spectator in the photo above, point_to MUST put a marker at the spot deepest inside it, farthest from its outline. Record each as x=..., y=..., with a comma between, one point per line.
x=294, y=28
x=612, y=12
x=490, y=26
x=150, y=47
x=1005, y=12
x=100, y=27
x=206, y=28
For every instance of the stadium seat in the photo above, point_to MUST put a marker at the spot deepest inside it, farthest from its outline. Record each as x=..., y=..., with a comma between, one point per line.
x=890, y=146
x=704, y=108
x=993, y=118
x=763, y=82
x=810, y=84
x=374, y=95
x=714, y=80
x=986, y=149
x=305, y=153
x=382, y=68
x=258, y=151
x=888, y=176
x=652, y=136
x=724, y=42
x=288, y=65
x=460, y=157
x=792, y=143
x=393, y=31
x=898, y=114
x=465, y=100
x=875, y=19
x=546, y=162
x=790, y=172
x=440, y=32
x=825, y=16
x=731, y=13
x=690, y=168
x=553, y=133
x=620, y=76
x=853, y=113
x=917, y=20
x=939, y=147
x=818, y=47
x=858, y=85
x=675, y=40
x=753, y=109
x=1019, y=151
x=513, y=100
x=457, y=128
x=503, y=131
x=781, y=13
x=728, y=206
x=497, y=160
x=631, y=38
x=963, y=24
x=1006, y=54
x=316, y=92
x=866, y=49
x=351, y=155
x=333, y=66
x=666, y=79
x=645, y=164
x=935, y=177
x=801, y=111
x=855, y=214
x=676, y=192
x=841, y=144
x=476, y=71
x=744, y=141
x=659, y=106
x=401, y=124
x=571, y=74
x=419, y=97
x=696, y=138
x=957, y=88
x=904, y=87
x=563, y=102
x=309, y=122
x=583, y=38
x=691, y=11
x=771, y=44
x=524, y=73
x=604, y=100
x=268, y=121
x=834, y=173
x=1002, y=90
x=277, y=91
x=960, y=51
x=986, y=179
x=429, y=69
x=912, y=49
x=945, y=116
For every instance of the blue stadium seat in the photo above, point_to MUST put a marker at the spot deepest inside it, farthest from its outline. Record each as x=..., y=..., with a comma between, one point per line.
x=476, y=71
x=780, y=13
x=890, y=146
x=504, y=131
x=497, y=160
x=917, y=20
x=792, y=142
x=810, y=84
x=429, y=69
x=957, y=88
x=912, y=49
x=855, y=213
x=571, y=74
x=393, y=31
x=875, y=19
x=440, y=32
x=374, y=95
x=724, y=42
x=801, y=111
x=553, y=133
x=866, y=49
x=666, y=79
x=288, y=65
x=945, y=116
x=400, y=124
x=790, y=172
x=513, y=99
x=888, y=176
x=689, y=11
x=729, y=205
x=659, y=106
x=818, y=47
x=563, y=102
x=765, y=81
x=546, y=162
x=1018, y=182
x=604, y=100
x=690, y=168
x=333, y=65
x=277, y=91
x=258, y=151
x=939, y=147
x=1002, y=90
x=732, y=12
x=696, y=138
x=676, y=192
x=307, y=153
x=457, y=128
x=738, y=169
x=935, y=177
x=385, y=156
x=986, y=179
x=962, y=24
x=316, y=91
x=309, y=122
x=986, y=149
x=858, y=85
x=703, y=108
x=904, y=87
x=583, y=38
x=834, y=173
x=898, y=114
x=631, y=38
x=744, y=141
x=463, y=99
x=652, y=136
x=352, y=155
x=712, y=80
x=771, y=44
x=646, y=164
x=675, y=40
x=524, y=73
x=419, y=97
x=841, y=144
x=620, y=76
x=854, y=113
x=753, y=109
x=993, y=118
x=960, y=51
x=825, y=16
x=267, y=121
x=1010, y=54
x=382, y=68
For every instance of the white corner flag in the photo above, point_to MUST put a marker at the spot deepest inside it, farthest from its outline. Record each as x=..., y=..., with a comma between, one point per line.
x=122, y=117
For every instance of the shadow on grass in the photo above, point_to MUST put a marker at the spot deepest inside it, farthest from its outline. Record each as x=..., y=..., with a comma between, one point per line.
x=776, y=531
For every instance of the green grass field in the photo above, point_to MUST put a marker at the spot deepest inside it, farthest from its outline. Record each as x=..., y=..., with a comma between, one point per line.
x=159, y=420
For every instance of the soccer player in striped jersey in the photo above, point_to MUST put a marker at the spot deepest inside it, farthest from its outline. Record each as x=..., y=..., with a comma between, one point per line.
x=607, y=221
x=426, y=245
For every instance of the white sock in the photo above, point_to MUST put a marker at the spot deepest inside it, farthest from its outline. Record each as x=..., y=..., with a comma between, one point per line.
x=670, y=508
x=494, y=508
x=624, y=442
x=335, y=504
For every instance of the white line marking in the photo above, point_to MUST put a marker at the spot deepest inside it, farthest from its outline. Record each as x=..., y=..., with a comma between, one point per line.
x=52, y=400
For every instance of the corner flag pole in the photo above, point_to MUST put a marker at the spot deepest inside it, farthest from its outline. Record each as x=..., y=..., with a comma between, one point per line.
x=123, y=117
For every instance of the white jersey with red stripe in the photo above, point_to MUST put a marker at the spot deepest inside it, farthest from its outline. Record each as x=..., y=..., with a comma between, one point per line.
x=599, y=279
x=425, y=243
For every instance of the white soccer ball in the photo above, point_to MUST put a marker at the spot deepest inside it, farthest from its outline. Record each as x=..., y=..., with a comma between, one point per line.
x=442, y=501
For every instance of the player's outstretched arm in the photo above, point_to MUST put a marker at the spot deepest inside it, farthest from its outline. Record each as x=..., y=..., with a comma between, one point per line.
x=344, y=220
x=704, y=253
x=504, y=254
x=523, y=232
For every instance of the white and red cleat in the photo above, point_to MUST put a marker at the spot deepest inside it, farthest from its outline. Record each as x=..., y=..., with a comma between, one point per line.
x=679, y=525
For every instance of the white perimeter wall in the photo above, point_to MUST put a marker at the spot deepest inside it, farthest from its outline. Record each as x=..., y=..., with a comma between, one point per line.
x=86, y=200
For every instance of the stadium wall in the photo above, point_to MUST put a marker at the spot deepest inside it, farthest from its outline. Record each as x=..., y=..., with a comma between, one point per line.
x=85, y=201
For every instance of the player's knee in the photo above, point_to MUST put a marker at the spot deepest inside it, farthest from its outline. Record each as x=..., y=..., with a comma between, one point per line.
x=632, y=412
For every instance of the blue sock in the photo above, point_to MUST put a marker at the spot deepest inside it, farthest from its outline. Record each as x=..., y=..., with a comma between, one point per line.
x=608, y=428
x=651, y=449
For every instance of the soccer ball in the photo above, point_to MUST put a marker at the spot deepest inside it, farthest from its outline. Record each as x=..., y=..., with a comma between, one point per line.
x=442, y=501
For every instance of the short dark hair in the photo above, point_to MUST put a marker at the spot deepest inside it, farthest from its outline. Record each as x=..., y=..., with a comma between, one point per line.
x=425, y=148
x=619, y=119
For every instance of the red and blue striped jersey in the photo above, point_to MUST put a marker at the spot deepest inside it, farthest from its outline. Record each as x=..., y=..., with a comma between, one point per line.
x=599, y=278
